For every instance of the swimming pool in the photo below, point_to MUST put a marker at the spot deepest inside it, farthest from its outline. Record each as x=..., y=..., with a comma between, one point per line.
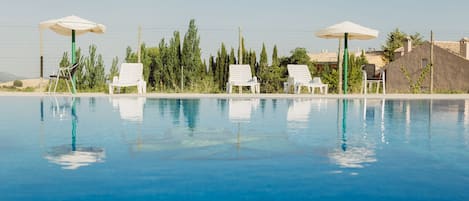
x=134, y=148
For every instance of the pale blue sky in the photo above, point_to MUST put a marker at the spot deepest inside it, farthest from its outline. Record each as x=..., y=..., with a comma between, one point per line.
x=289, y=24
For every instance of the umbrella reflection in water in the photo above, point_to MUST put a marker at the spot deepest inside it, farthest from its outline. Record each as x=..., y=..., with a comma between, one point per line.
x=352, y=153
x=73, y=157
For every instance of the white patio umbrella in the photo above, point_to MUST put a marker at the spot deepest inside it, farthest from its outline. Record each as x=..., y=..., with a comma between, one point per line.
x=70, y=26
x=347, y=30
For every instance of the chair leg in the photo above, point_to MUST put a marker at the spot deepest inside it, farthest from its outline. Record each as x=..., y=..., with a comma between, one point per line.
x=68, y=86
x=377, y=87
x=56, y=83
x=50, y=84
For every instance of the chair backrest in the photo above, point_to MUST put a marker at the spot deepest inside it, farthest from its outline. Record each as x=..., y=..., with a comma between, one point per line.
x=239, y=73
x=73, y=69
x=130, y=72
x=300, y=73
x=370, y=71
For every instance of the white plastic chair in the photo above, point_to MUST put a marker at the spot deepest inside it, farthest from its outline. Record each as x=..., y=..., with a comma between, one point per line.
x=240, y=75
x=130, y=74
x=299, y=76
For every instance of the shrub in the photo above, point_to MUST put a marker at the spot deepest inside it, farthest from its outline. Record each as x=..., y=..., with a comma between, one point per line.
x=17, y=83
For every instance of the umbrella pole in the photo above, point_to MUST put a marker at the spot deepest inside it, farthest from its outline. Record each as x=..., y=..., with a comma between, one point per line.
x=345, y=63
x=74, y=90
x=74, y=124
x=344, y=124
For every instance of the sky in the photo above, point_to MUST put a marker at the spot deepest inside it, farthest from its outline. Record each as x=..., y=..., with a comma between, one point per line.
x=287, y=24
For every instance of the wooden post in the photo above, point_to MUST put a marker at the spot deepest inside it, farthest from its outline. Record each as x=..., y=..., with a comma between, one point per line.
x=240, y=57
x=431, y=62
x=340, y=66
x=41, y=52
x=139, y=44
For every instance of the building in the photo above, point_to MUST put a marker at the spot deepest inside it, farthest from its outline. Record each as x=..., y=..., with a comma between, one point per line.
x=450, y=67
x=325, y=58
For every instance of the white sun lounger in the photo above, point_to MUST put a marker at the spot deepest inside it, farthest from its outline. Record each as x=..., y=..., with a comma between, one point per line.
x=240, y=75
x=130, y=74
x=299, y=76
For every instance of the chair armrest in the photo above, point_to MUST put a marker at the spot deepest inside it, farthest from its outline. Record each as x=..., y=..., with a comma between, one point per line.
x=254, y=79
x=115, y=79
x=291, y=81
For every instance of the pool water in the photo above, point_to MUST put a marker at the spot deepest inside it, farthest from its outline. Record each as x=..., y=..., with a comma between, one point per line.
x=135, y=148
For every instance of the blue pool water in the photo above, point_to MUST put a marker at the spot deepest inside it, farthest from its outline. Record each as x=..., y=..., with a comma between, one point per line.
x=129, y=148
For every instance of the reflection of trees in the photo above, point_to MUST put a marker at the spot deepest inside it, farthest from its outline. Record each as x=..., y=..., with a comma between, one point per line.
x=274, y=105
x=190, y=110
x=175, y=108
x=222, y=105
x=263, y=103
x=92, y=103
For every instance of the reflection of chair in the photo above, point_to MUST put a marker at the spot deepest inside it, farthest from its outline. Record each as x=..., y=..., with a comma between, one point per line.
x=298, y=114
x=370, y=77
x=240, y=109
x=130, y=74
x=299, y=111
x=299, y=76
x=130, y=108
x=65, y=73
x=240, y=75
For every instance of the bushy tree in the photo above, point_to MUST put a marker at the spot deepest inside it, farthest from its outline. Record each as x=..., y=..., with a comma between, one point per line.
x=114, y=71
x=395, y=40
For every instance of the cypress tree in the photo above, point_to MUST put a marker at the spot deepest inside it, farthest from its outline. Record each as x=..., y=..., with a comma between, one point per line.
x=191, y=54
x=263, y=63
x=275, y=60
x=232, y=57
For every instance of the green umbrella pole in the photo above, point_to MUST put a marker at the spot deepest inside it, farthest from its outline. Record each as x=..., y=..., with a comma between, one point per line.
x=344, y=124
x=345, y=63
x=74, y=90
x=74, y=124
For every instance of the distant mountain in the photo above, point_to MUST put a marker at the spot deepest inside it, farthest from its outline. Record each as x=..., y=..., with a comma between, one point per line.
x=5, y=77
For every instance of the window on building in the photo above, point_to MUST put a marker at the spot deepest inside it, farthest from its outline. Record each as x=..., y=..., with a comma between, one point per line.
x=424, y=62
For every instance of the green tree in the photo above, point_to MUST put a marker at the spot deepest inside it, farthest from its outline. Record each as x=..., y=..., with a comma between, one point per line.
x=222, y=65
x=191, y=56
x=275, y=60
x=395, y=40
x=232, y=58
x=114, y=71
x=300, y=56
x=94, y=70
x=242, y=52
x=263, y=63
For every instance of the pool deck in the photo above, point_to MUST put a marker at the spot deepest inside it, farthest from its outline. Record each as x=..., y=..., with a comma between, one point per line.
x=235, y=95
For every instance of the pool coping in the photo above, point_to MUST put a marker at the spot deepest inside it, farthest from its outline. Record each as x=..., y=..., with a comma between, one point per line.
x=269, y=96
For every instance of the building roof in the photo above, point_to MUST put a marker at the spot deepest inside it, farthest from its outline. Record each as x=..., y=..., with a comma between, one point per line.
x=451, y=46
x=323, y=57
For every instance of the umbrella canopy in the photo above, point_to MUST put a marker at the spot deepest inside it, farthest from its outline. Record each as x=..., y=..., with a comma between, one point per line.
x=64, y=26
x=347, y=30
x=355, y=32
x=70, y=26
